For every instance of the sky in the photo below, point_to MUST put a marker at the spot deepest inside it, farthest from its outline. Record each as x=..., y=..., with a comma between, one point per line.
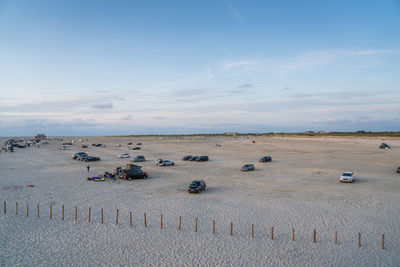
x=182, y=67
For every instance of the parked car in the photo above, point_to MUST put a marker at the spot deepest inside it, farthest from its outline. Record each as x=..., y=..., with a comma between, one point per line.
x=139, y=158
x=162, y=162
x=201, y=158
x=124, y=155
x=194, y=158
x=188, y=157
x=76, y=155
x=384, y=146
x=135, y=148
x=197, y=186
x=139, y=144
x=247, y=167
x=91, y=158
x=266, y=159
x=398, y=169
x=129, y=144
x=67, y=144
x=133, y=172
x=347, y=177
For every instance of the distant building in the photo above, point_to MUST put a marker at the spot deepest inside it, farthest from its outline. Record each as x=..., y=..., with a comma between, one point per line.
x=40, y=137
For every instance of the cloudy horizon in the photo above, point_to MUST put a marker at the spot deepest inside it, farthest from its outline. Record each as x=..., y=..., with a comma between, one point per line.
x=209, y=67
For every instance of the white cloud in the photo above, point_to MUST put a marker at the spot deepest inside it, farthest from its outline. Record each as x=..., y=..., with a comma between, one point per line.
x=367, y=52
x=239, y=64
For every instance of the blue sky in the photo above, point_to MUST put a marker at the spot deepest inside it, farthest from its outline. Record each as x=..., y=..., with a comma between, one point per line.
x=157, y=67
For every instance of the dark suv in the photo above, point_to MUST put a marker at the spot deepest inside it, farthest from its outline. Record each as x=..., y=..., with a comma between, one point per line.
x=197, y=186
x=188, y=157
x=91, y=158
x=134, y=172
x=201, y=158
x=266, y=159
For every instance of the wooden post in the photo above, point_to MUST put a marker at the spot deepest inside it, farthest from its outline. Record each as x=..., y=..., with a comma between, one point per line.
x=359, y=239
x=101, y=220
x=145, y=221
x=314, y=236
x=62, y=213
x=5, y=207
x=130, y=218
x=335, y=237
x=213, y=227
x=37, y=210
x=195, y=224
x=76, y=213
x=231, y=228
x=179, y=223
x=116, y=217
x=292, y=234
x=252, y=230
x=383, y=241
x=89, y=210
x=16, y=208
x=27, y=209
x=272, y=232
x=161, y=224
x=51, y=212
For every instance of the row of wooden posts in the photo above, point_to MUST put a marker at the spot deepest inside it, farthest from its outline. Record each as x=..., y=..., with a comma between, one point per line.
x=161, y=222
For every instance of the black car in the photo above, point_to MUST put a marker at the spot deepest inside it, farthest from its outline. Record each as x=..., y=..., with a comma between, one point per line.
x=384, y=145
x=129, y=144
x=135, y=148
x=134, y=172
x=197, y=186
x=398, y=169
x=266, y=159
x=188, y=157
x=201, y=158
x=194, y=158
x=91, y=158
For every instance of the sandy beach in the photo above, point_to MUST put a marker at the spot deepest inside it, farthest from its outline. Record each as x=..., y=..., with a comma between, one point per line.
x=299, y=189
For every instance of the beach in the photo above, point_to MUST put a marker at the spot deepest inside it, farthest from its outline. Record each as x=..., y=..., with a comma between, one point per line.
x=298, y=190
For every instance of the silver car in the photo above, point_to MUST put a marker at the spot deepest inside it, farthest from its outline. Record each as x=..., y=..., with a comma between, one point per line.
x=162, y=162
x=347, y=177
x=247, y=167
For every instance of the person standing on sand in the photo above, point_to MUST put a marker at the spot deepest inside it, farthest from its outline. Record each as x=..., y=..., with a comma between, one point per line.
x=87, y=167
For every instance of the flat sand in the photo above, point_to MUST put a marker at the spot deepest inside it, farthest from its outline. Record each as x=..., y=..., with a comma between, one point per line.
x=299, y=189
